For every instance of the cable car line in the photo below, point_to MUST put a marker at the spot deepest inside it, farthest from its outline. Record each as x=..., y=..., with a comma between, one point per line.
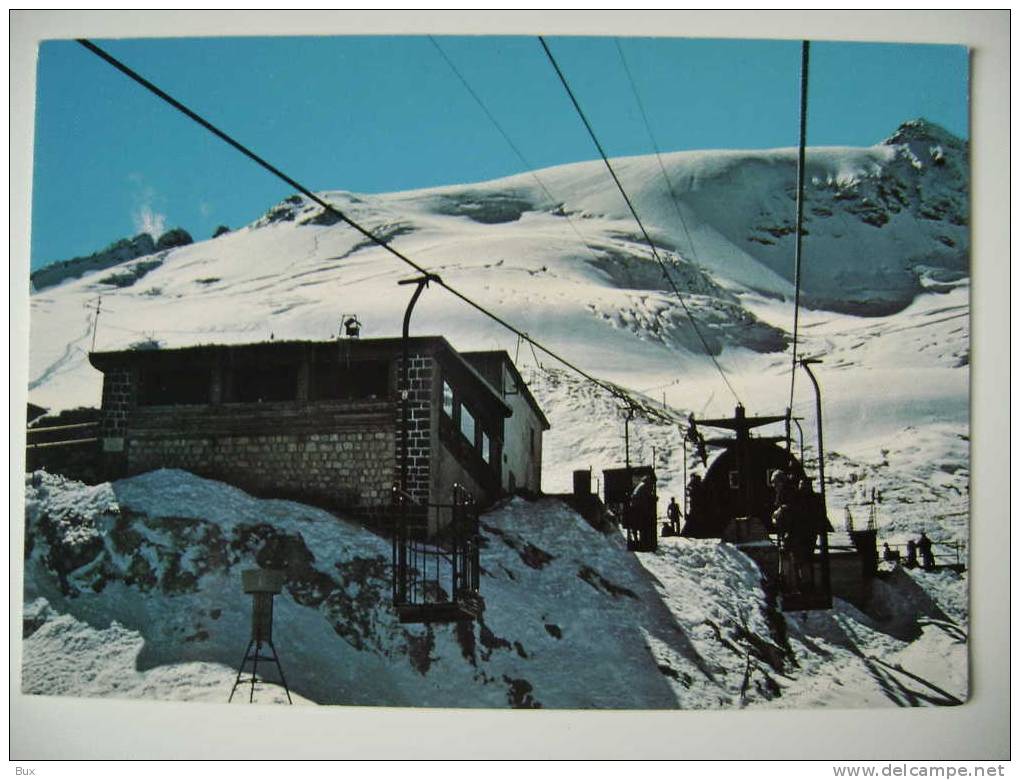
x=637, y=219
x=528, y=166
x=613, y=389
x=655, y=146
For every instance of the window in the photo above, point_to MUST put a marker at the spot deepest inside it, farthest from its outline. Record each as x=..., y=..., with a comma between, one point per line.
x=349, y=381
x=447, y=399
x=173, y=386
x=532, y=442
x=467, y=425
x=256, y=384
x=486, y=454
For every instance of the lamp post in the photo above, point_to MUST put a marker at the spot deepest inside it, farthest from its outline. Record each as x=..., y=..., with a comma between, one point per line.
x=806, y=364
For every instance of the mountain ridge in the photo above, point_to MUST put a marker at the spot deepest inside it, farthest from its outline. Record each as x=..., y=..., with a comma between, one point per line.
x=885, y=230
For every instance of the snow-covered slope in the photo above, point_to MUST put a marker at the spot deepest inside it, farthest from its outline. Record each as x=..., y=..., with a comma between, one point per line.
x=132, y=589
x=886, y=227
x=885, y=276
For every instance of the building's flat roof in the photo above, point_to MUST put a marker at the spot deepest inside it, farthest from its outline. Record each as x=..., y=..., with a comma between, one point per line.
x=98, y=359
x=105, y=361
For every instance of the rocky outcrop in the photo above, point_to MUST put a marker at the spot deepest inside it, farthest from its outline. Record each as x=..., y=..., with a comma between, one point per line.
x=876, y=225
x=121, y=251
x=118, y=252
x=174, y=237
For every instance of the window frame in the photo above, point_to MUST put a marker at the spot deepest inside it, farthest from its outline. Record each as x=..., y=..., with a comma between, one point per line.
x=452, y=398
x=473, y=438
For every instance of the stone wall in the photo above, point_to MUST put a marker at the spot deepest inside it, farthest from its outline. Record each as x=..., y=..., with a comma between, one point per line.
x=343, y=469
x=337, y=454
x=421, y=371
x=118, y=398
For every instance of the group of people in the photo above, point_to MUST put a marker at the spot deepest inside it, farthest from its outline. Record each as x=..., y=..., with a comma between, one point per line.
x=922, y=545
x=798, y=519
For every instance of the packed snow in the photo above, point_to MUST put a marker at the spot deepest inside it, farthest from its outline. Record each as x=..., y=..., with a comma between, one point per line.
x=132, y=589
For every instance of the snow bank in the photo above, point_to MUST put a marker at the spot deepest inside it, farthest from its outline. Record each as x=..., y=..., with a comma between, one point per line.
x=132, y=589
x=150, y=567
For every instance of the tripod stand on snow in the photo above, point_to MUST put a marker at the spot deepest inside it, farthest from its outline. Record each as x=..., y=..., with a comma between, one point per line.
x=263, y=585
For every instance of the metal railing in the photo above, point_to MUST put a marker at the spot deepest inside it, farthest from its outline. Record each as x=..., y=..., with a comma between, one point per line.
x=435, y=551
x=58, y=432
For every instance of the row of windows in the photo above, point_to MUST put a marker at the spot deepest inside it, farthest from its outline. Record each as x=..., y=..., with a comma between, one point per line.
x=255, y=384
x=467, y=424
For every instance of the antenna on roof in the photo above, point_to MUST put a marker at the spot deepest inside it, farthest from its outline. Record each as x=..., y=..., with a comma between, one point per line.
x=97, y=308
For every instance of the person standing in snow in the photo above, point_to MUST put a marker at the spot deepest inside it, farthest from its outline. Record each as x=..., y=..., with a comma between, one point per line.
x=783, y=484
x=924, y=546
x=808, y=523
x=641, y=498
x=673, y=515
x=783, y=524
x=694, y=495
x=911, y=555
x=641, y=513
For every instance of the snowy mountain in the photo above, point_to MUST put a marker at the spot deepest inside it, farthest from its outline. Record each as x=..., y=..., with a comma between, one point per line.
x=556, y=253
x=885, y=225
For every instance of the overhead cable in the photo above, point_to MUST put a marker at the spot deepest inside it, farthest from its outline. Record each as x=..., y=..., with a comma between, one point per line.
x=611, y=388
x=633, y=211
x=655, y=146
x=804, y=57
x=528, y=166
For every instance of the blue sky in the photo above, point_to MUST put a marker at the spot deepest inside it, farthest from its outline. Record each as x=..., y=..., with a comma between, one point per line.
x=377, y=114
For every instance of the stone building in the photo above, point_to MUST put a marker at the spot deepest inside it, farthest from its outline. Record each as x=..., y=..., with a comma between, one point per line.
x=320, y=421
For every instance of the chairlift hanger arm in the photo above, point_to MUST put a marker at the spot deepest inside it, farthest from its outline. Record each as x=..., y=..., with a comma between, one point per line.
x=742, y=423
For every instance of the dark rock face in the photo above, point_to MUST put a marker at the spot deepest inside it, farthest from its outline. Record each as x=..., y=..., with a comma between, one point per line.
x=875, y=231
x=118, y=252
x=324, y=217
x=518, y=694
x=174, y=237
x=485, y=207
x=131, y=274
